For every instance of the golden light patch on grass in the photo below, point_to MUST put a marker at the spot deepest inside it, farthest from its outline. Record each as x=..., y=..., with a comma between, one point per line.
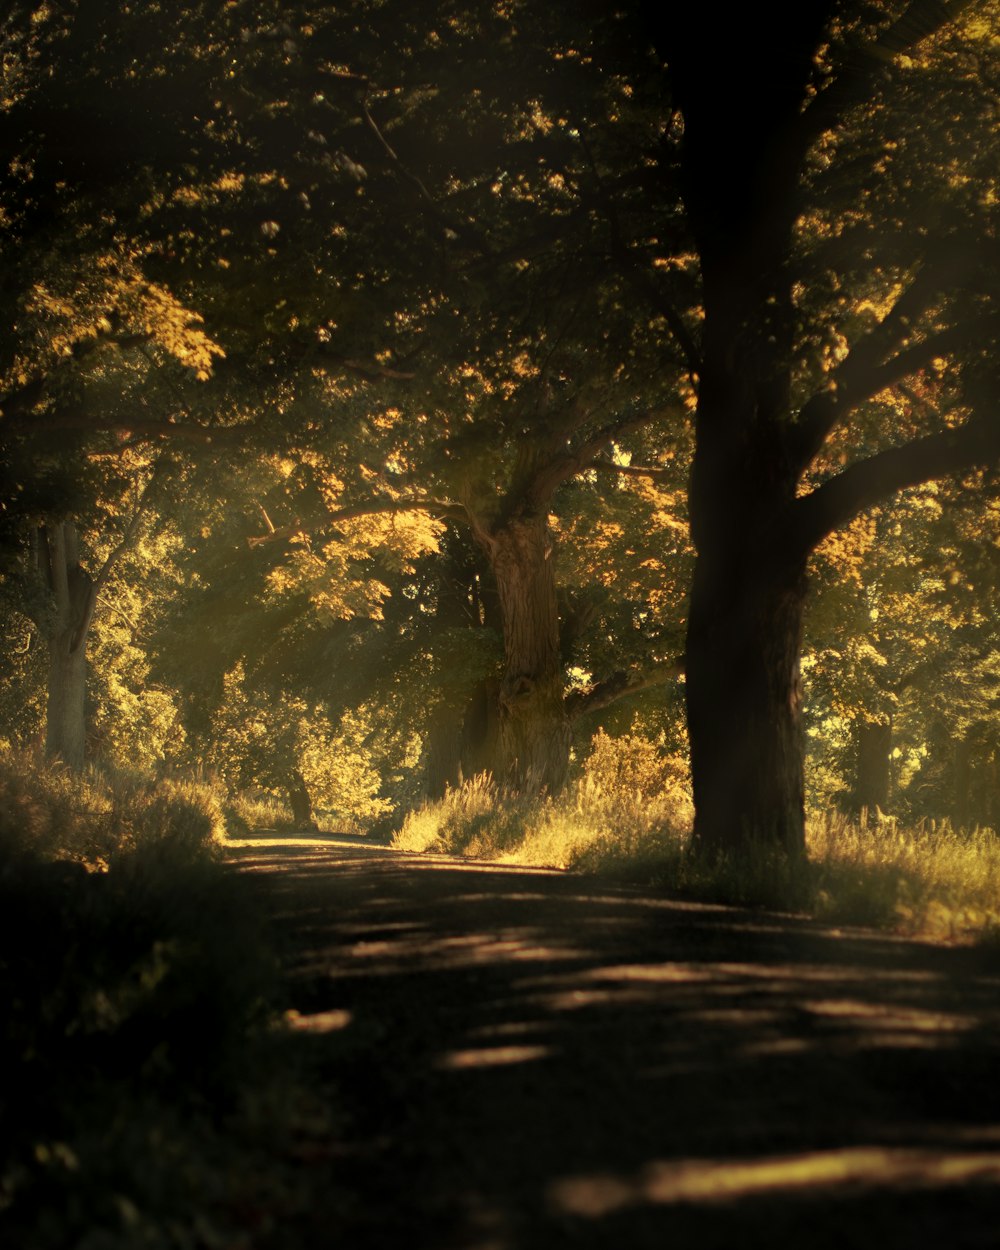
x=866, y=1167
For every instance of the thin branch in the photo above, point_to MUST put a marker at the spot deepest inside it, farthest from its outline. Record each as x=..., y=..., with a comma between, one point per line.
x=604, y=693
x=131, y=530
x=656, y=472
x=868, y=482
x=377, y=371
x=432, y=207
x=639, y=277
x=117, y=611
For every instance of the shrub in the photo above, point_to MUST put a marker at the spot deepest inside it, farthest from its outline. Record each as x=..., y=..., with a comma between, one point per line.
x=138, y=997
x=628, y=809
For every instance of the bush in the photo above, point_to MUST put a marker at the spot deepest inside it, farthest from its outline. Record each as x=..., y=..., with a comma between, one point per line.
x=139, y=996
x=629, y=807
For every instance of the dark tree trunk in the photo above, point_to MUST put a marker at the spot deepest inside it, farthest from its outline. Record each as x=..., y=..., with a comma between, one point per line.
x=744, y=705
x=70, y=596
x=443, y=764
x=872, y=744
x=480, y=751
x=300, y=801
x=534, y=731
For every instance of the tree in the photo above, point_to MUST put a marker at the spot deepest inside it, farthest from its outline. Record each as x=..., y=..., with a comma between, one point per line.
x=821, y=195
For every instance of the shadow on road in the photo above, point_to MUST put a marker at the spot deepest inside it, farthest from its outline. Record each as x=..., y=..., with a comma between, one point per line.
x=528, y=1059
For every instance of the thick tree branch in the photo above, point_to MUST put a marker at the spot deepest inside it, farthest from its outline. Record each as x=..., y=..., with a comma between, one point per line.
x=560, y=468
x=130, y=534
x=55, y=536
x=656, y=473
x=860, y=377
x=140, y=430
x=869, y=482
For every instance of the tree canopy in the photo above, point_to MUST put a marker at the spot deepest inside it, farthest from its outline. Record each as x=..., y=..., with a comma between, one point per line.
x=548, y=350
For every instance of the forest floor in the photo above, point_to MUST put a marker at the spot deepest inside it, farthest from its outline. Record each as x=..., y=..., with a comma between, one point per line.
x=528, y=1060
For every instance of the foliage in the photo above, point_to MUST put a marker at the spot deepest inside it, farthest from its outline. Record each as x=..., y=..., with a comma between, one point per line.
x=104, y=815
x=139, y=999
x=928, y=880
x=629, y=800
x=259, y=740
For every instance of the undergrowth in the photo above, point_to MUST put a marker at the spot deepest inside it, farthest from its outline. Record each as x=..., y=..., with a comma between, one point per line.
x=139, y=1018
x=627, y=816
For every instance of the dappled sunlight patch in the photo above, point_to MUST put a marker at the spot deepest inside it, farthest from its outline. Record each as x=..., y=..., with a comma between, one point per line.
x=332, y=1021
x=669, y=972
x=493, y=1057
x=463, y=950
x=709, y=1181
x=886, y=1017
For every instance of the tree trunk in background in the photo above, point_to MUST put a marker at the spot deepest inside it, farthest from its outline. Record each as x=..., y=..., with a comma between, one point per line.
x=300, y=801
x=65, y=711
x=744, y=707
x=961, y=813
x=443, y=766
x=481, y=731
x=70, y=597
x=534, y=730
x=872, y=744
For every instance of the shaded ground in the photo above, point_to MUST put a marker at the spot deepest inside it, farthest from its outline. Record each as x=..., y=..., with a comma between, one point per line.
x=527, y=1059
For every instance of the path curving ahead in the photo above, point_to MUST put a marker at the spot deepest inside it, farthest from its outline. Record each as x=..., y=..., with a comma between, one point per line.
x=528, y=1059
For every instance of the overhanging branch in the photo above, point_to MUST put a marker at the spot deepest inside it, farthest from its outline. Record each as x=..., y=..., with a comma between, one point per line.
x=869, y=482
x=863, y=374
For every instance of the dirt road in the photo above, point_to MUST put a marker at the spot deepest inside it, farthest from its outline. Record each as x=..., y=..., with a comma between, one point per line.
x=531, y=1060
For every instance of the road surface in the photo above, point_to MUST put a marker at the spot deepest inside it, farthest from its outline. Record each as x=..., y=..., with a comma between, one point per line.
x=529, y=1060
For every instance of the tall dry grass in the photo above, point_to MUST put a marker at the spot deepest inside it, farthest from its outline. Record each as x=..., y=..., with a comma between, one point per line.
x=628, y=816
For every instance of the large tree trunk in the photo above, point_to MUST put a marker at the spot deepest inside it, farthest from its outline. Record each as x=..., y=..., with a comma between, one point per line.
x=65, y=712
x=744, y=705
x=534, y=731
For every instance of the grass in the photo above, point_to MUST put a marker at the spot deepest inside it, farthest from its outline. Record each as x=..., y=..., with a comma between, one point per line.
x=632, y=825
x=152, y=1094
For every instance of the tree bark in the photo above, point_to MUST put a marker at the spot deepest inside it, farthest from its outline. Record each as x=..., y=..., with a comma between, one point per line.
x=744, y=707
x=65, y=713
x=534, y=730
